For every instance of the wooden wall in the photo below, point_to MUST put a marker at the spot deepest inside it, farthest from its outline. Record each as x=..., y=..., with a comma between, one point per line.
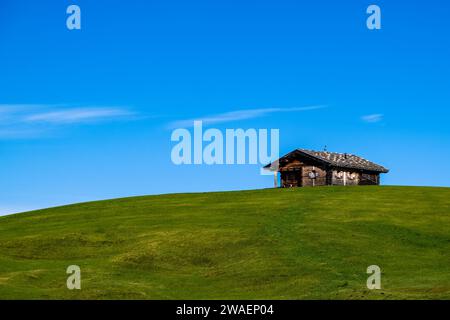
x=290, y=174
x=344, y=177
x=369, y=179
x=296, y=173
x=291, y=178
x=321, y=176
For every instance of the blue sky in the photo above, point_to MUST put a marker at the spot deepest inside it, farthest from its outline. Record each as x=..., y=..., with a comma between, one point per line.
x=86, y=114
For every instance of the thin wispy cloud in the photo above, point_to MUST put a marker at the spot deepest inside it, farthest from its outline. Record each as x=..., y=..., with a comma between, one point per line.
x=6, y=108
x=78, y=115
x=240, y=115
x=372, y=118
x=11, y=109
x=19, y=121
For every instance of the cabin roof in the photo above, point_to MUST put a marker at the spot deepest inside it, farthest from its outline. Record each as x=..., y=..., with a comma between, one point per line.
x=341, y=160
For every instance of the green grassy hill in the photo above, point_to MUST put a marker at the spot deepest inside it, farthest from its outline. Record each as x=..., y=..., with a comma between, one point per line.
x=311, y=243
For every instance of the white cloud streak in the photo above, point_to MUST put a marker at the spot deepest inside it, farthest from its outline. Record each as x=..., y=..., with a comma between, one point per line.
x=77, y=115
x=372, y=118
x=20, y=121
x=240, y=115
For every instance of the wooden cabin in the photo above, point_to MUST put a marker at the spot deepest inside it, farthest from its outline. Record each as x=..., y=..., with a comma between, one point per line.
x=302, y=168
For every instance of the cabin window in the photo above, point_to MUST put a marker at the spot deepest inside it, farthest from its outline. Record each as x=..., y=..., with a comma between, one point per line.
x=313, y=174
x=339, y=174
x=351, y=176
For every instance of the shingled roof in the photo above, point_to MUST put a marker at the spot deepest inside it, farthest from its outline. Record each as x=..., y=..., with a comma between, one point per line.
x=341, y=160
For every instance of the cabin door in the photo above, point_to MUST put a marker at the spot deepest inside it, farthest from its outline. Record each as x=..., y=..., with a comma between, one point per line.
x=299, y=177
x=292, y=178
